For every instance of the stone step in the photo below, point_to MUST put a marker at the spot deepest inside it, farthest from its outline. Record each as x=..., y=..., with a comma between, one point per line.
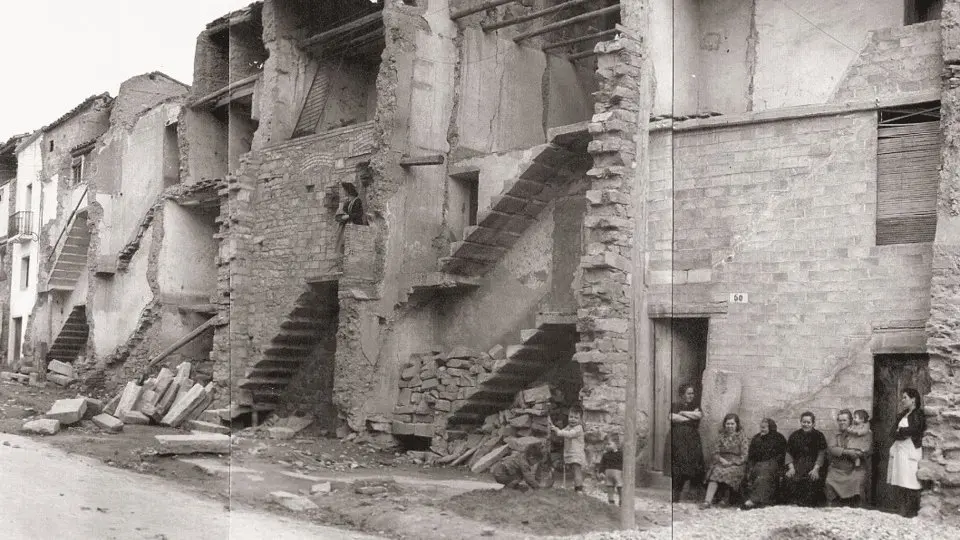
x=306, y=337
x=299, y=323
x=271, y=372
x=548, y=320
x=267, y=395
x=492, y=237
x=286, y=362
x=457, y=265
x=510, y=223
x=476, y=252
x=558, y=337
x=288, y=350
x=476, y=406
x=263, y=382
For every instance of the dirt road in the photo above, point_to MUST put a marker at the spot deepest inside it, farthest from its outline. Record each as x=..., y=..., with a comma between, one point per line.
x=51, y=494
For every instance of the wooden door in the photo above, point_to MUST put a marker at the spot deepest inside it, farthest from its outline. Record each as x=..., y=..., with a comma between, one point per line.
x=680, y=355
x=892, y=374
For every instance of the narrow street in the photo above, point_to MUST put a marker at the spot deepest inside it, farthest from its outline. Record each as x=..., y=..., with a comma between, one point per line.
x=56, y=495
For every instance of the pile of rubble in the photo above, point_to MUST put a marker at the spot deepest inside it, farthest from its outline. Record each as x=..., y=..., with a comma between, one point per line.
x=505, y=432
x=67, y=412
x=434, y=384
x=169, y=399
x=60, y=373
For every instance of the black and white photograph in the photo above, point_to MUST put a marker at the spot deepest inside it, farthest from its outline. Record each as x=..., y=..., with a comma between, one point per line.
x=471, y=269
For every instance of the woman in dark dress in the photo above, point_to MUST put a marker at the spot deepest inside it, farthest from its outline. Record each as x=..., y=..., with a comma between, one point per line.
x=686, y=449
x=806, y=451
x=764, y=463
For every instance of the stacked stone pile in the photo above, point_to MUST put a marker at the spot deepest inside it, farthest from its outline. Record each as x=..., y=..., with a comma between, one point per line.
x=434, y=384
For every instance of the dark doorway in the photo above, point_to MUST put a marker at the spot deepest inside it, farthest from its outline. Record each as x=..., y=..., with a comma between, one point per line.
x=17, y=339
x=892, y=373
x=680, y=355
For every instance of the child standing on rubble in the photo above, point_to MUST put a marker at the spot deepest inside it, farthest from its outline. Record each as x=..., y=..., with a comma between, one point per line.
x=574, y=456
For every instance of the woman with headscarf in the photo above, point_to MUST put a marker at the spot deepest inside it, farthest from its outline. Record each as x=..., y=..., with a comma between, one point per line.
x=906, y=451
x=684, y=447
x=729, y=460
x=806, y=449
x=848, y=454
x=764, y=463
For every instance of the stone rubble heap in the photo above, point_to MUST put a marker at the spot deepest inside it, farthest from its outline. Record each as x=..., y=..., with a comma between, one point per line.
x=434, y=384
x=787, y=523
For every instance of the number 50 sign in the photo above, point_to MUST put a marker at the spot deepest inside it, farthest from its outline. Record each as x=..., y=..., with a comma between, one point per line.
x=738, y=298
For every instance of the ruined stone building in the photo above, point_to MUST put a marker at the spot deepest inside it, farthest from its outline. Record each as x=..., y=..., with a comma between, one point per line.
x=751, y=195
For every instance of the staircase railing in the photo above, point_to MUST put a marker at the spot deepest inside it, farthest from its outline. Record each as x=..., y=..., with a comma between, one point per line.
x=57, y=247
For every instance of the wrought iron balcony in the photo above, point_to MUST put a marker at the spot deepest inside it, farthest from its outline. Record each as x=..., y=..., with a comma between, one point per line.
x=20, y=223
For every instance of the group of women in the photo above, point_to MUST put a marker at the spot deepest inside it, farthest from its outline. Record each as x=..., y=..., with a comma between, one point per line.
x=802, y=469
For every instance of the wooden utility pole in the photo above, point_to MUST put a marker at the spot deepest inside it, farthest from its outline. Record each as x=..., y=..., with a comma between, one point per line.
x=639, y=327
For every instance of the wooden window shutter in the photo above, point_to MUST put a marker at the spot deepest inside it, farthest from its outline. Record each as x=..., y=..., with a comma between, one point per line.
x=313, y=105
x=908, y=175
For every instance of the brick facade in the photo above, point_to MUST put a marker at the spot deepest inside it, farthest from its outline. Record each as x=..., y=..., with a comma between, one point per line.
x=894, y=61
x=278, y=232
x=783, y=211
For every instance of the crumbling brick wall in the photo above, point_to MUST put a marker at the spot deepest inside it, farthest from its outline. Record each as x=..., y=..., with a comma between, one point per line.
x=277, y=232
x=604, y=290
x=941, y=463
x=894, y=61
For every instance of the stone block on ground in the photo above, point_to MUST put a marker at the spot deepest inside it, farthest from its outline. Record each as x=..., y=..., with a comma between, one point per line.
x=56, y=378
x=61, y=368
x=135, y=418
x=370, y=490
x=297, y=423
x=183, y=406
x=281, y=432
x=292, y=501
x=461, y=352
x=490, y=458
x=44, y=426
x=213, y=443
x=94, y=406
x=111, y=406
x=67, y=411
x=322, y=487
x=129, y=398
x=207, y=427
x=107, y=422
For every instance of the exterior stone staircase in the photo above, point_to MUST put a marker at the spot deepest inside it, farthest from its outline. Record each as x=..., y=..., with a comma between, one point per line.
x=299, y=334
x=541, y=178
x=540, y=349
x=428, y=286
x=70, y=259
x=72, y=339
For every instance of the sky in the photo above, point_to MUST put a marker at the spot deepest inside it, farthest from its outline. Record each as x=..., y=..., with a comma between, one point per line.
x=59, y=52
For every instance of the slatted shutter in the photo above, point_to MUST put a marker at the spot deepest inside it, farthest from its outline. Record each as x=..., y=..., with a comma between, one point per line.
x=908, y=173
x=313, y=106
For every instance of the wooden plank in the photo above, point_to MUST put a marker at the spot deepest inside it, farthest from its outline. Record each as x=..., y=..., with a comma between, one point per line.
x=330, y=35
x=567, y=22
x=576, y=40
x=483, y=6
x=416, y=161
x=532, y=15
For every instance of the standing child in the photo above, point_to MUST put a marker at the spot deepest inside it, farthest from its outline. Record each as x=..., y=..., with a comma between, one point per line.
x=860, y=438
x=574, y=456
x=611, y=467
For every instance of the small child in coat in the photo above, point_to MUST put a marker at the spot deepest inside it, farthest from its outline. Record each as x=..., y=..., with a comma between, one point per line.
x=574, y=455
x=611, y=468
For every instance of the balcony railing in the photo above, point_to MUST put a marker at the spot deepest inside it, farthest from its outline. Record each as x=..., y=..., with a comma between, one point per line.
x=20, y=223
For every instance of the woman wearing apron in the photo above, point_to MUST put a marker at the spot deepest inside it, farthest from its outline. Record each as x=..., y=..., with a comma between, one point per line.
x=906, y=451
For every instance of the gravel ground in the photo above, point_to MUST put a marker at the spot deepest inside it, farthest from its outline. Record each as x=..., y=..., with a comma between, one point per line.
x=785, y=523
